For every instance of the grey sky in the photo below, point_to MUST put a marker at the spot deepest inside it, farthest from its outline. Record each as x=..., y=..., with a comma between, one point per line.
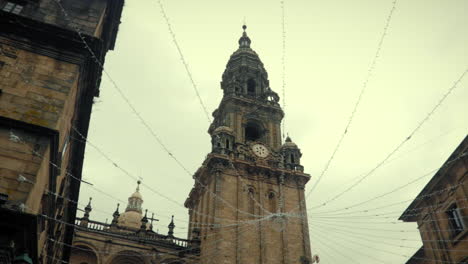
x=329, y=47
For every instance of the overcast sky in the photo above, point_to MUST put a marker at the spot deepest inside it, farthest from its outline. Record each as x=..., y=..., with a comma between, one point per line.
x=329, y=48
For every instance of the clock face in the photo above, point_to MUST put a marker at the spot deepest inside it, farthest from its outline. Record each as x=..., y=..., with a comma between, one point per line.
x=260, y=150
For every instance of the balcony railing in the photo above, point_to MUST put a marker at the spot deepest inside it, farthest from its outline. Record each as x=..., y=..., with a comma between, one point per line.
x=132, y=233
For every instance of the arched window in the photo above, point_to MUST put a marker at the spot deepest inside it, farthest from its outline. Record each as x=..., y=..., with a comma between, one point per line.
x=272, y=201
x=251, y=87
x=292, y=159
x=251, y=201
x=253, y=132
x=227, y=144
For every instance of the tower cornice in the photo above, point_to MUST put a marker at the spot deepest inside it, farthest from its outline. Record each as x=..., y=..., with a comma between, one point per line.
x=249, y=169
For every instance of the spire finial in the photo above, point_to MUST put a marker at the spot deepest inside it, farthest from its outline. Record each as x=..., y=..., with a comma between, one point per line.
x=144, y=221
x=88, y=207
x=244, y=41
x=171, y=228
x=138, y=185
x=116, y=214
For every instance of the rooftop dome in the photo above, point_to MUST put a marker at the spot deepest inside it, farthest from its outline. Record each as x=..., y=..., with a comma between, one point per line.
x=137, y=195
x=133, y=213
x=288, y=143
x=130, y=219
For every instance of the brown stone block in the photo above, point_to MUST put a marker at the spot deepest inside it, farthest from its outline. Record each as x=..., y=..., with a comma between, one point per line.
x=12, y=80
x=8, y=60
x=31, y=168
x=7, y=173
x=5, y=74
x=25, y=156
x=45, y=99
x=68, y=77
x=20, y=89
x=14, y=185
x=11, y=163
x=38, y=121
x=28, y=102
x=35, y=109
x=45, y=81
x=47, y=92
x=10, y=114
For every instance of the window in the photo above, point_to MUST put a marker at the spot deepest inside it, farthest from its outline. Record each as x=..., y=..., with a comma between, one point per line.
x=455, y=220
x=251, y=201
x=292, y=159
x=251, y=87
x=12, y=8
x=252, y=132
x=272, y=202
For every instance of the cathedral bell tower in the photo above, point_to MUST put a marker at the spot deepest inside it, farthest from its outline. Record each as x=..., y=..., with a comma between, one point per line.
x=247, y=205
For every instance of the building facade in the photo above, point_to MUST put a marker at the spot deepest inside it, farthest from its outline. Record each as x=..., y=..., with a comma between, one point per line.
x=129, y=238
x=48, y=79
x=247, y=204
x=441, y=212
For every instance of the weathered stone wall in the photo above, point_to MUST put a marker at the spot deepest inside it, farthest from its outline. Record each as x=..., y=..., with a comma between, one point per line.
x=37, y=89
x=99, y=248
x=238, y=236
x=440, y=242
x=86, y=15
x=42, y=91
x=21, y=155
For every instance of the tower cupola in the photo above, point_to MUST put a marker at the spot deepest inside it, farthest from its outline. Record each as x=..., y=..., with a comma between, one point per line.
x=245, y=75
x=135, y=200
x=291, y=155
x=222, y=140
x=133, y=213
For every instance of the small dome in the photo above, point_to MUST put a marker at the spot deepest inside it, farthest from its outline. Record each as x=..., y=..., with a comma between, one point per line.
x=136, y=195
x=288, y=143
x=130, y=219
x=222, y=129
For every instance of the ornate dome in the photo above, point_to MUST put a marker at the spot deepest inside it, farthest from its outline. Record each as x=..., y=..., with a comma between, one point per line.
x=136, y=195
x=130, y=219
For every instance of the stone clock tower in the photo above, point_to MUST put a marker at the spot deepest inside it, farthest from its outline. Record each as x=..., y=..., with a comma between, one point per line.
x=247, y=205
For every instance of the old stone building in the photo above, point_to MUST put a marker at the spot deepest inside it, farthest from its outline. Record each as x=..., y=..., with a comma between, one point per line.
x=251, y=177
x=247, y=204
x=129, y=238
x=48, y=79
x=441, y=212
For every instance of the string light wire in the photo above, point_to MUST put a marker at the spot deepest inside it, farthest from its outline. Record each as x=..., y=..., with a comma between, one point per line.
x=395, y=150
x=182, y=58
